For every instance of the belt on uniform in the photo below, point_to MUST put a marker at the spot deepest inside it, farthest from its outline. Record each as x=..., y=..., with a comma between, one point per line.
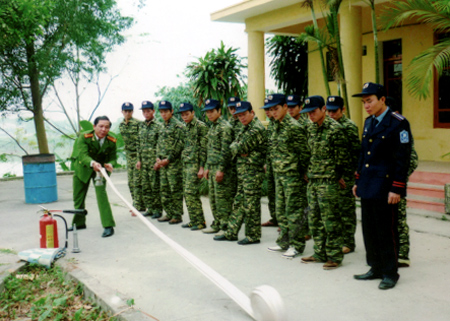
x=322, y=180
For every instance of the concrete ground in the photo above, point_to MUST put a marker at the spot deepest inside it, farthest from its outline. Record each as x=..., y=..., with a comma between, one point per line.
x=135, y=263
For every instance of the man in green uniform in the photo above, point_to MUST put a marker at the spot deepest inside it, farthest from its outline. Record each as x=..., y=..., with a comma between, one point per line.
x=335, y=109
x=249, y=148
x=290, y=154
x=294, y=109
x=269, y=172
x=168, y=162
x=194, y=160
x=148, y=138
x=403, y=228
x=237, y=127
x=94, y=150
x=129, y=129
x=325, y=174
x=219, y=167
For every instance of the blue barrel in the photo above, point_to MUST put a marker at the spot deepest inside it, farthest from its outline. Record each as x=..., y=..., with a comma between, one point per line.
x=39, y=177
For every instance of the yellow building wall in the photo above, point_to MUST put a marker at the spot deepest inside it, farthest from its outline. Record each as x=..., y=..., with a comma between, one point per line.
x=430, y=143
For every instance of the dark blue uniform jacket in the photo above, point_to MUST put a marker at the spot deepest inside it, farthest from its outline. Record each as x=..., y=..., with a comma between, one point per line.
x=384, y=158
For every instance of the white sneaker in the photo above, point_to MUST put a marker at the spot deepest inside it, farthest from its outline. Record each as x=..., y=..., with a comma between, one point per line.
x=290, y=253
x=221, y=232
x=275, y=248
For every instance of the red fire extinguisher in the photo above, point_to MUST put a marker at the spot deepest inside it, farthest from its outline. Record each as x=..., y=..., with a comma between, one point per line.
x=48, y=230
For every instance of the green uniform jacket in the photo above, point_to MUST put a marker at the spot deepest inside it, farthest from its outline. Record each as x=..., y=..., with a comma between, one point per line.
x=171, y=140
x=148, y=139
x=130, y=135
x=328, y=150
x=251, y=140
x=220, y=136
x=350, y=131
x=288, y=146
x=88, y=149
x=194, y=151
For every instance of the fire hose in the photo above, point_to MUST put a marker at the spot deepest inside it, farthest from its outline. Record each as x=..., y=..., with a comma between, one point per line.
x=264, y=303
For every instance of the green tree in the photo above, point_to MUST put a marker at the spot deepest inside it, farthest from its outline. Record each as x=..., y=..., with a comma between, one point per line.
x=43, y=39
x=371, y=3
x=437, y=57
x=218, y=75
x=314, y=34
x=289, y=64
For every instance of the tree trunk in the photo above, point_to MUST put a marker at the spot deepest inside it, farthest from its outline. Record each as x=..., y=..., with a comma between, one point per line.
x=322, y=58
x=341, y=62
x=39, y=124
x=375, y=42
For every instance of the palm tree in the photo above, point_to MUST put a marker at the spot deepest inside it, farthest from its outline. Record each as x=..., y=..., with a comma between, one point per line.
x=217, y=75
x=315, y=33
x=289, y=64
x=371, y=3
x=437, y=57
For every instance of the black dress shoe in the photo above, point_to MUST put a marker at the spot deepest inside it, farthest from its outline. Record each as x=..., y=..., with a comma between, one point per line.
x=387, y=283
x=79, y=227
x=246, y=241
x=224, y=238
x=368, y=276
x=108, y=231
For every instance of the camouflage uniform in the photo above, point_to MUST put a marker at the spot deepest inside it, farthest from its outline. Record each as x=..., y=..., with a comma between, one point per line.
x=270, y=177
x=303, y=121
x=130, y=134
x=148, y=139
x=326, y=167
x=403, y=228
x=220, y=136
x=170, y=145
x=289, y=152
x=251, y=140
x=237, y=127
x=346, y=197
x=194, y=157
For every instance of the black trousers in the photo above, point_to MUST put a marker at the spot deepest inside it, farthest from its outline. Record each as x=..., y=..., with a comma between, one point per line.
x=379, y=224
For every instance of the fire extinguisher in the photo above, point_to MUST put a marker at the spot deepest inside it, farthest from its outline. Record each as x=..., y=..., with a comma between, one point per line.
x=48, y=230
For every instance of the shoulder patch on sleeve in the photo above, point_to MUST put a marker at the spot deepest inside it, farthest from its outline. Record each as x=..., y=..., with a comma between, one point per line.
x=89, y=135
x=404, y=137
x=398, y=116
x=114, y=140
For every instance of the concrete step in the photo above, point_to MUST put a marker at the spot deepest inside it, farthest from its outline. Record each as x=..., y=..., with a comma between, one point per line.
x=427, y=205
x=434, y=191
x=432, y=178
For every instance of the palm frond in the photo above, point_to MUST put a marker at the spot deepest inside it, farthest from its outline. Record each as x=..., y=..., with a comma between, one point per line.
x=435, y=13
x=421, y=69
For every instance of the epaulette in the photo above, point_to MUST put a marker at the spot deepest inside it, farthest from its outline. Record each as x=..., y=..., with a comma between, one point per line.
x=89, y=135
x=114, y=140
x=398, y=116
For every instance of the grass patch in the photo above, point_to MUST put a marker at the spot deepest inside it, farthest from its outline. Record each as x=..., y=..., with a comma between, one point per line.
x=7, y=251
x=45, y=294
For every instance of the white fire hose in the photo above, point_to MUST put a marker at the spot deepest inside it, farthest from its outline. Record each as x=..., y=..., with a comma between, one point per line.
x=264, y=303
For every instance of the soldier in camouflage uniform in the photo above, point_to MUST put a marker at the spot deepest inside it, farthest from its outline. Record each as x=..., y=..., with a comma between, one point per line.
x=194, y=160
x=403, y=228
x=219, y=167
x=249, y=148
x=289, y=152
x=168, y=162
x=294, y=109
x=335, y=109
x=237, y=126
x=269, y=172
x=129, y=129
x=325, y=172
x=148, y=138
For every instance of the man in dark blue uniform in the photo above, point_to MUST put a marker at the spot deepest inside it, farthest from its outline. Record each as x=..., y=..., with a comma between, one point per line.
x=381, y=182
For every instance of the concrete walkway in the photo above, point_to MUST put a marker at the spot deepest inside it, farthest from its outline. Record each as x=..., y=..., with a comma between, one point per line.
x=139, y=265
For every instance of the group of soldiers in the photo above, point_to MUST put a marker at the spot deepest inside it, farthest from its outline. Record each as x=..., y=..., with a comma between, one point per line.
x=308, y=155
